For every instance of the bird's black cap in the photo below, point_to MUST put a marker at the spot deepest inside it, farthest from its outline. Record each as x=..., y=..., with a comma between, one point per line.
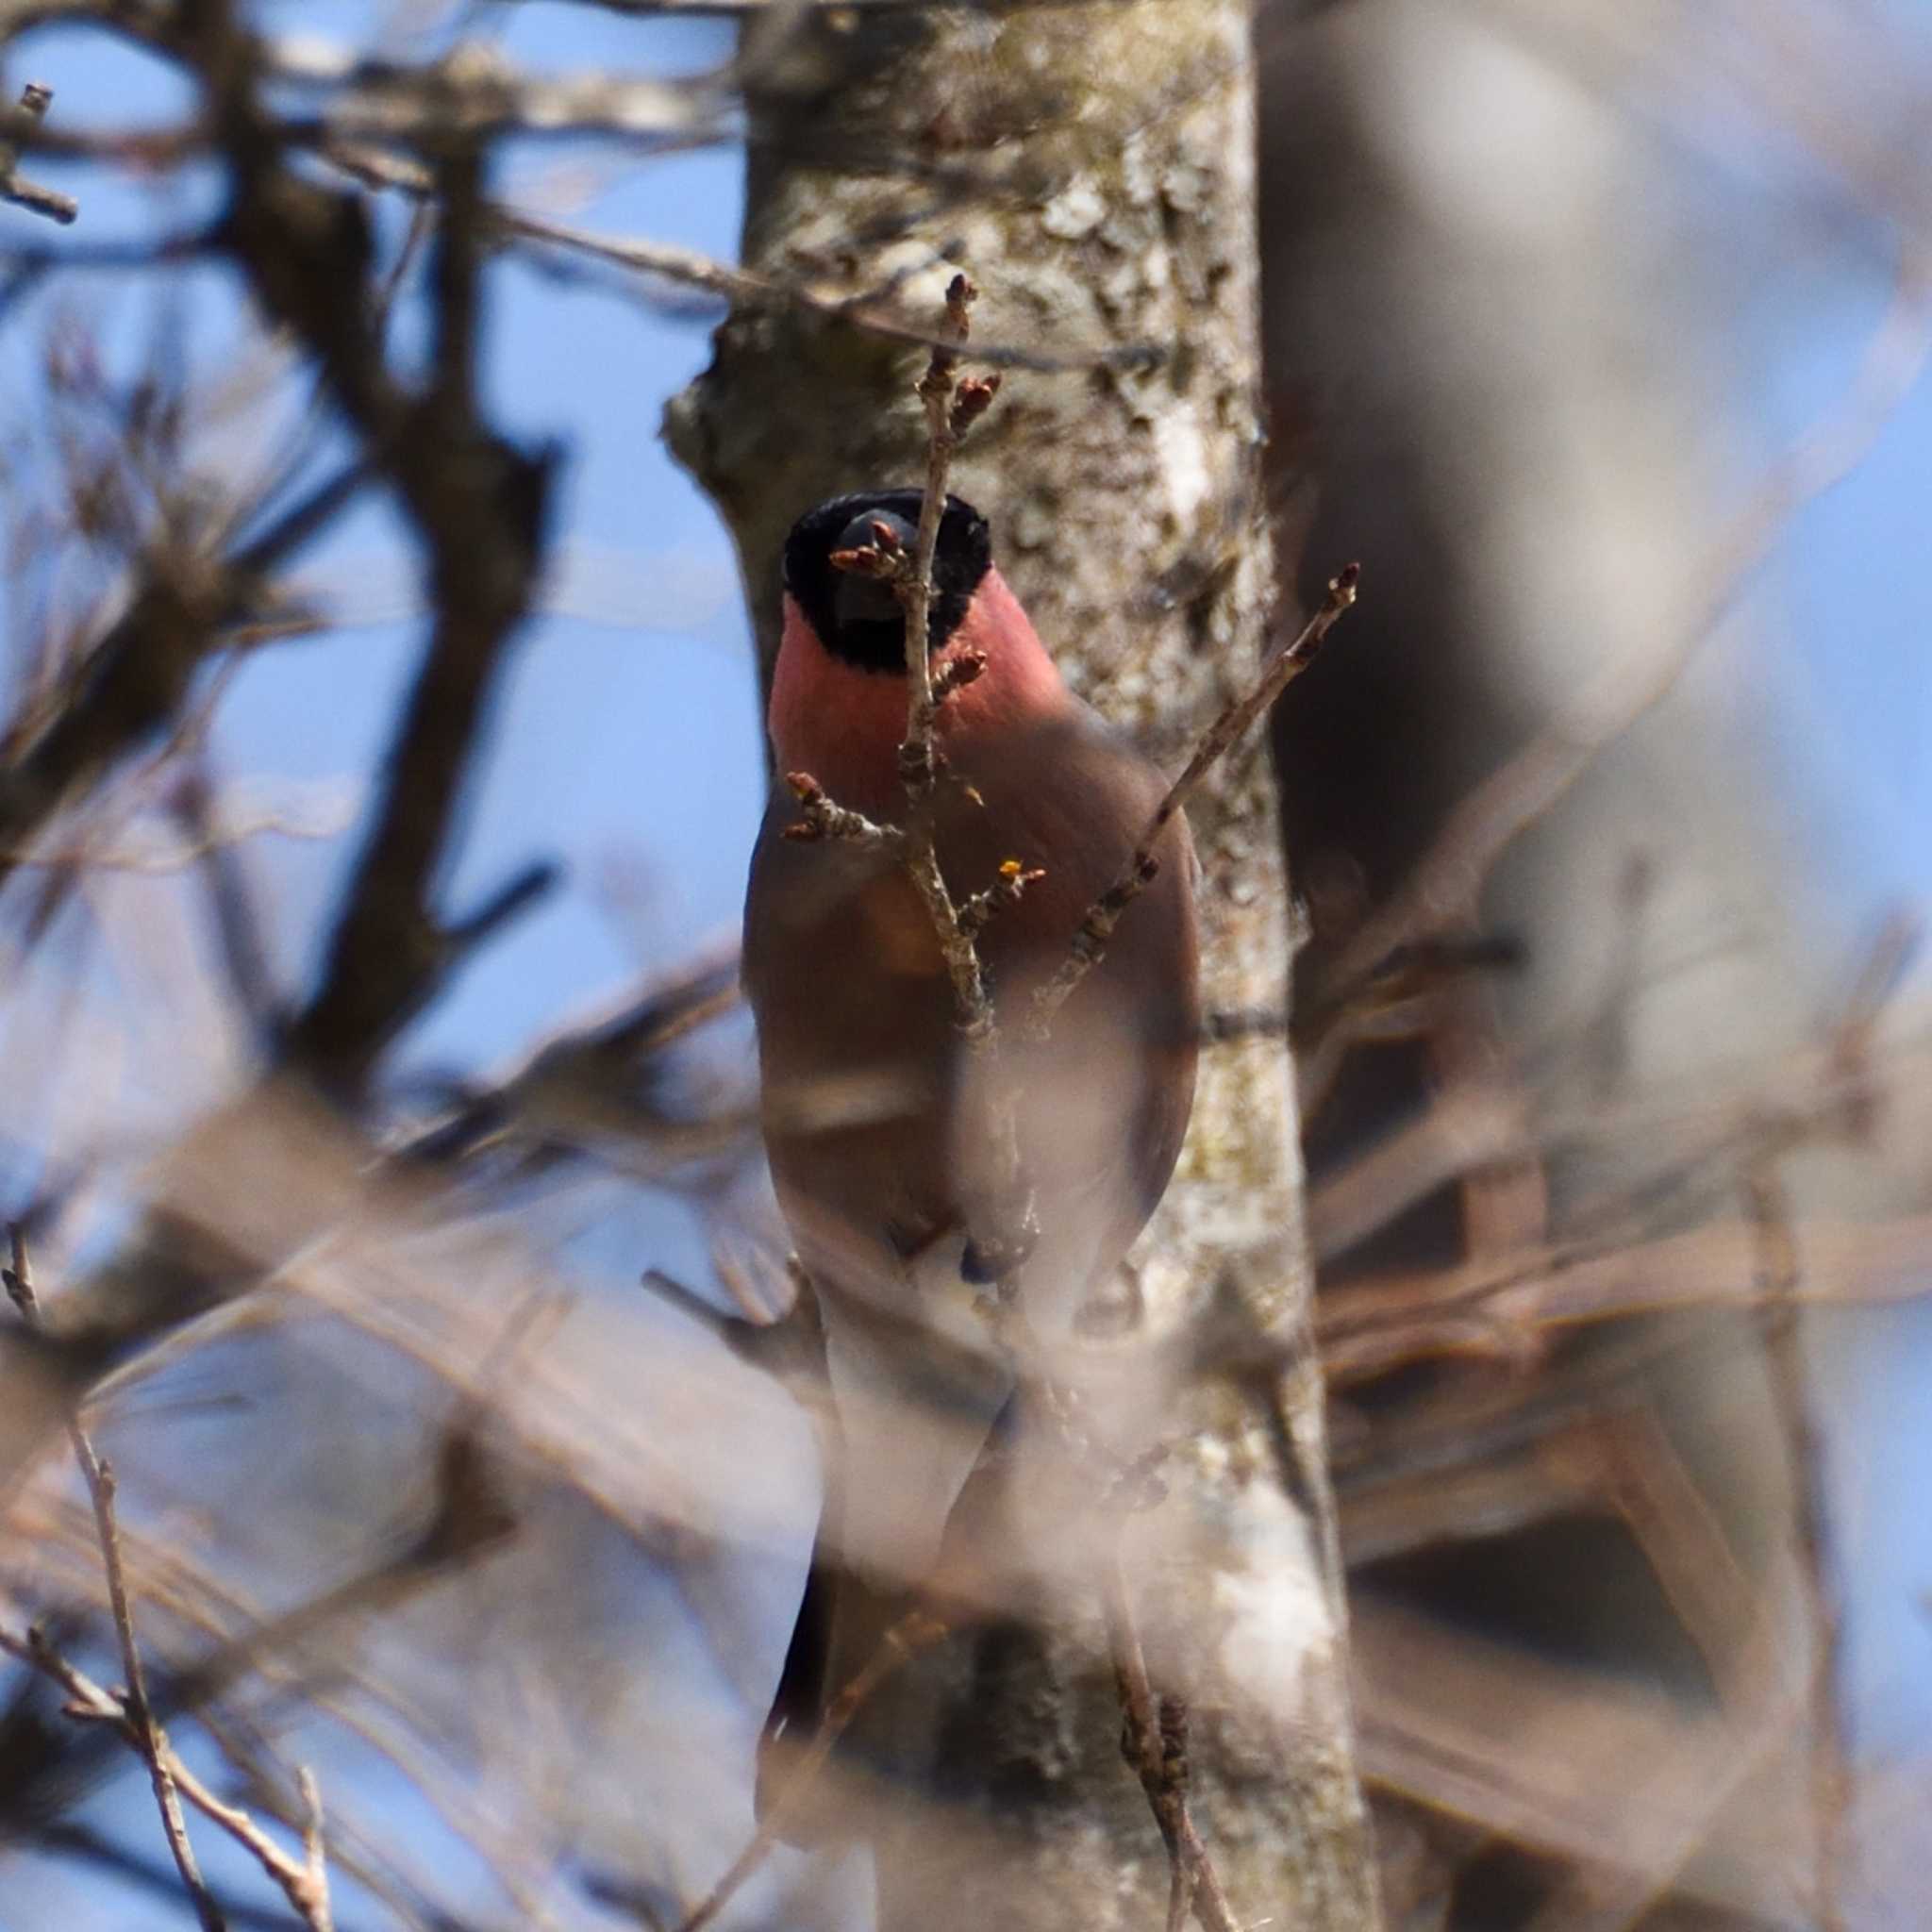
x=858, y=617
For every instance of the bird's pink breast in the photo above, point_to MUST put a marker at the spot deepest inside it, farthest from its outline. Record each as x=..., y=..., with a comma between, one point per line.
x=843, y=725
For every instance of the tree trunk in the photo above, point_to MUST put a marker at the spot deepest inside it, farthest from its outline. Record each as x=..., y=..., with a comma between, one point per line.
x=1091, y=167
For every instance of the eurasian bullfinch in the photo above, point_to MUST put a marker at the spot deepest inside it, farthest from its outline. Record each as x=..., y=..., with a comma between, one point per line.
x=875, y=1116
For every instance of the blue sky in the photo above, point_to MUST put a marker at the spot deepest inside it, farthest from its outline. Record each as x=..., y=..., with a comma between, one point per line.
x=626, y=740
x=622, y=784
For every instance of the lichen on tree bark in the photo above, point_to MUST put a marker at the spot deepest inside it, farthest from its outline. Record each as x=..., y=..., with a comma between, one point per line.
x=1091, y=166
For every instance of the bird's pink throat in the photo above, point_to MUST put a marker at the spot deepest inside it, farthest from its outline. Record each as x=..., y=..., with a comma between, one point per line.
x=843, y=725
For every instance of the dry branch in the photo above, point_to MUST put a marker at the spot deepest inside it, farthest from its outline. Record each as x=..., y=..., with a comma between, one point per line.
x=131, y=1711
x=563, y=245
x=478, y=504
x=1153, y=1741
x=35, y=99
x=303, y=1880
x=917, y=1631
x=1088, y=943
x=1768, y=1211
x=1441, y=893
x=133, y=681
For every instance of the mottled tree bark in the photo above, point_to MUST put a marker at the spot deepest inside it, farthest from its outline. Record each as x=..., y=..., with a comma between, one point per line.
x=1093, y=168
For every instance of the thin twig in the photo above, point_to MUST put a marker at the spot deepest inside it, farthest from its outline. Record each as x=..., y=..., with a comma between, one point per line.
x=951, y=408
x=917, y=1631
x=314, y=1852
x=246, y=1746
x=1009, y=1229
x=1769, y=1210
x=918, y=756
x=149, y=1737
x=348, y=1697
x=133, y=1712
x=1440, y=894
x=980, y=908
x=35, y=99
x=1154, y=1735
x=916, y=764
x=819, y=817
x=377, y=167
x=303, y=1881
x=1088, y=944
x=1155, y=1752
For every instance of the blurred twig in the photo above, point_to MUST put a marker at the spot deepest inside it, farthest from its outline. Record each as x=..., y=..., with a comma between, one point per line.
x=604, y=1082
x=1768, y=1212
x=1494, y=1308
x=478, y=504
x=1154, y=1742
x=35, y=99
x=130, y=685
x=1440, y=894
x=917, y=1631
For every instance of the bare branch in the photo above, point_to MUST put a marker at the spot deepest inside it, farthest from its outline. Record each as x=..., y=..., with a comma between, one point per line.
x=916, y=761
x=1154, y=1742
x=918, y=756
x=478, y=504
x=743, y=288
x=1439, y=895
x=132, y=682
x=1768, y=1209
x=917, y=1631
x=132, y=1711
x=821, y=818
x=1088, y=944
x=910, y=577
x=35, y=99
x=303, y=1881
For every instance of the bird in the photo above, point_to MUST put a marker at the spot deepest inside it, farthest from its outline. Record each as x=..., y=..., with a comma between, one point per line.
x=875, y=1111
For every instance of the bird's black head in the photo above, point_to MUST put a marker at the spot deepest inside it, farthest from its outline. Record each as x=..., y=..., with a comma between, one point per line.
x=858, y=617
